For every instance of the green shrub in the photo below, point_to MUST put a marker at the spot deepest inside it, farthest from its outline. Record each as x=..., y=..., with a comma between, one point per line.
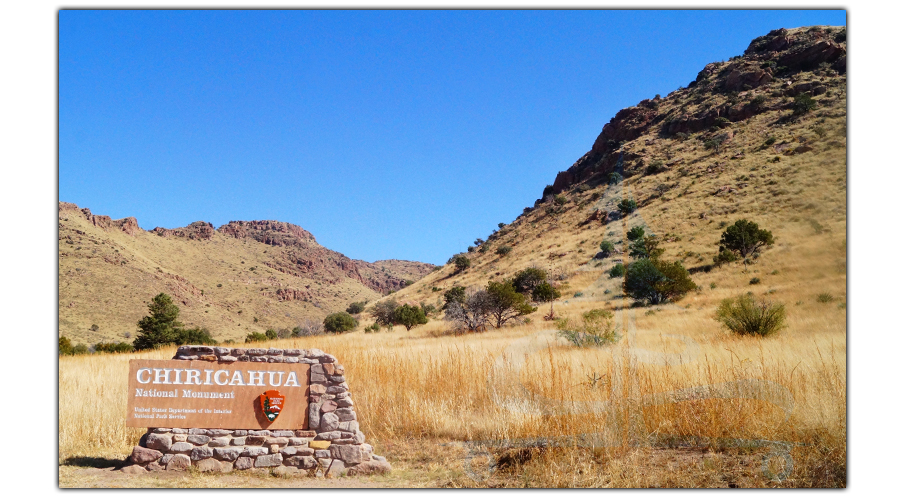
x=615, y=178
x=339, y=322
x=81, y=349
x=159, y=327
x=256, y=337
x=65, y=346
x=656, y=281
x=375, y=328
x=271, y=334
x=713, y=143
x=461, y=262
x=746, y=316
x=617, y=271
x=755, y=281
x=505, y=303
x=681, y=136
x=824, y=298
x=745, y=237
x=607, y=247
x=528, y=279
x=410, y=316
x=627, y=206
x=356, y=307
x=804, y=103
x=758, y=100
x=655, y=166
x=456, y=294
x=113, y=347
x=769, y=141
x=504, y=250
x=193, y=336
x=560, y=199
x=635, y=233
x=545, y=292
x=94, y=328
x=596, y=328
x=384, y=312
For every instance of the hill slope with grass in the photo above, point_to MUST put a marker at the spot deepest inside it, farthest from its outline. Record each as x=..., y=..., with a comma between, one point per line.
x=244, y=276
x=761, y=136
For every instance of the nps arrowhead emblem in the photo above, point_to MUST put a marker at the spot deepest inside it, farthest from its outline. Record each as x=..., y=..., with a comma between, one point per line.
x=271, y=403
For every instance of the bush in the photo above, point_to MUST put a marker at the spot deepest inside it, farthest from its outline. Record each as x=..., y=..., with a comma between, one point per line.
x=94, y=328
x=193, y=336
x=627, y=206
x=455, y=294
x=271, y=334
x=375, y=328
x=548, y=189
x=256, y=337
x=384, y=312
x=681, y=136
x=410, y=316
x=607, y=247
x=505, y=303
x=615, y=178
x=724, y=257
x=528, y=279
x=545, y=292
x=746, y=316
x=80, y=349
x=824, y=298
x=755, y=281
x=356, y=307
x=560, y=199
x=339, y=322
x=758, y=100
x=713, y=144
x=65, y=346
x=745, y=237
x=307, y=328
x=635, y=233
x=113, y=347
x=461, y=262
x=504, y=250
x=655, y=166
x=646, y=248
x=656, y=281
x=617, y=271
x=769, y=141
x=803, y=103
x=471, y=313
x=596, y=329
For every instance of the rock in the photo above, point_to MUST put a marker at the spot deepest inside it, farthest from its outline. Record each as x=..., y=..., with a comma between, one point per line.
x=369, y=468
x=301, y=462
x=134, y=469
x=336, y=379
x=747, y=75
x=292, y=352
x=176, y=430
x=297, y=441
x=227, y=359
x=268, y=460
x=329, y=406
x=351, y=426
x=141, y=455
x=228, y=454
x=201, y=432
x=259, y=433
x=220, y=442
x=350, y=454
x=306, y=433
x=255, y=440
x=257, y=352
x=320, y=445
x=322, y=454
x=283, y=433
x=198, y=440
x=182, y=448
x=379, y=458
x=314, y=415
x=275, y=352
x=317, y=389
x=239, y=441
x=239, y=433
x=337, y=468
x=254, y=451
x=201, y=453
x=344, y=414
x=179, y=438
x=328, y=368
x=338, y=369
x=344, y=402
x=317, y=378
x=278, y=441
x=209, y=465
x=812, y=55
x=159, y=442
x=179, y=462
x=243, y=463
x=165, y=459
x=328, y=422
x=155, y=467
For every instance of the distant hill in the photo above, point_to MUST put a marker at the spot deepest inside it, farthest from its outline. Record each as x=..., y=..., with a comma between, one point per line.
x=733, y=144
x=244, y=276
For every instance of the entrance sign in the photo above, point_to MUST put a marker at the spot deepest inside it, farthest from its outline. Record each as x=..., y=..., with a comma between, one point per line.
x=205, y=394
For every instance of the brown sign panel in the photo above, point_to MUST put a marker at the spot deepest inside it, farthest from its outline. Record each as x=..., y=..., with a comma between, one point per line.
x=204, y=394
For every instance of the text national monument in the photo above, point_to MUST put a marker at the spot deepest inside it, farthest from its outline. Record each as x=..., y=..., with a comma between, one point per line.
x=221, y=409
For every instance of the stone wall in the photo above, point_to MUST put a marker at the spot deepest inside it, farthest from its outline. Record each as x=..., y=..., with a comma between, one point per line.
x=332, y=446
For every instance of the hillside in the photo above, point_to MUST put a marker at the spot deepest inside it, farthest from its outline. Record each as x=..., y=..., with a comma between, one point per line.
x=244, y=276
x=784, y=170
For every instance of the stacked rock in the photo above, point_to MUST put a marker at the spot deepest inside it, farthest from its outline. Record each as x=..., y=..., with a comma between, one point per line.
x=332, y=446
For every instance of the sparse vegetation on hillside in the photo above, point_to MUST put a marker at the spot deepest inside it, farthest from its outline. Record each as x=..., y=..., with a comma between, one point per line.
x=746, y=315
x=597, y=328
x=656, y=281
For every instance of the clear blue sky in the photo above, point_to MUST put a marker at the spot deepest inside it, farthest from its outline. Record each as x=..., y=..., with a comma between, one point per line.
x=387, y=134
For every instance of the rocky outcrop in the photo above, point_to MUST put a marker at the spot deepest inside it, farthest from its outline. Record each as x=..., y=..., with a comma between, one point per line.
x=747, y=76
x=627, y=125
x=193, y=231
x=289, y=294
x=270, y=232
x=810, y=56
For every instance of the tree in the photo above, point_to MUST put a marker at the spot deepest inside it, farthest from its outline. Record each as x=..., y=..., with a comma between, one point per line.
x=339, y=322
x=528, y=279
x=471, y=313
x=505, y=303
x=461, y=262
x=646, y=248
x=607, y=247
x=255, y=337
x=410, y=316
x=745, y=237
x=803, y=104
x=356, y=307
x=65, y=346
x=193, y=336
x=384, y=312
x=158, y=328
x=455, y=294
x=545, y=292
x=627, y=206
x=271, y=334
x=113, y=347
x=615, y=178
x=635, y=233
x=656, y=281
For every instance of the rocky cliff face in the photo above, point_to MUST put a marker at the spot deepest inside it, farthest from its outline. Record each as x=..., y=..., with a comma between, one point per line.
x=768, y=65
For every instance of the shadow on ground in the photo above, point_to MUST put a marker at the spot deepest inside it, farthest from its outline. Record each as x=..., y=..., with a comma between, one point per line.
x=94, y=462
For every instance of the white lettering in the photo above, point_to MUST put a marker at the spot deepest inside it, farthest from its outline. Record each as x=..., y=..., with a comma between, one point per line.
x=291, y=380
x=272, y=378
x=193, y=377
x=208, y=375
x=256, y=378
x=237, y=378
x=165, y=375
x=221, y=382
x=178, y=375
x=139, y=379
